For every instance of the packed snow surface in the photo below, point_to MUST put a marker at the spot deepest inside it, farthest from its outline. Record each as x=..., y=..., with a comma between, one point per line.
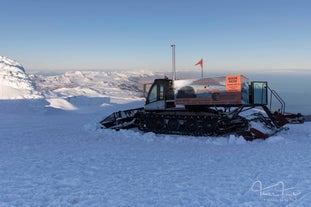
x=52, y=153
x=59, y=157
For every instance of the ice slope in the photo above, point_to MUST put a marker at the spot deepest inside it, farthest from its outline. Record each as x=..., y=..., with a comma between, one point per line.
x=57, y=157
x=14, y=82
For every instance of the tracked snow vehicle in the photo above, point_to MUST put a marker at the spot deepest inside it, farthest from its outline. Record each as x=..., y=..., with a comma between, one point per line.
x=207, y=107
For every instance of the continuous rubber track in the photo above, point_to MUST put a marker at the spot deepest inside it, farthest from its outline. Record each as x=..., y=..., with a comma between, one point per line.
x=190, y=123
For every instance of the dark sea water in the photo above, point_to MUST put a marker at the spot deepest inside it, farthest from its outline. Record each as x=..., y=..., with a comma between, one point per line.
x=294, y=88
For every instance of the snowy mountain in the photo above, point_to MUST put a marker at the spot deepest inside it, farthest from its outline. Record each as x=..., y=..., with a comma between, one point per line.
x=86, y=91
x=91, y=84
x=14, y=82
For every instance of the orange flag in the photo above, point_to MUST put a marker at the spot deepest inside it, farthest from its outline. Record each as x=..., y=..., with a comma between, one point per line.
x=200, y=63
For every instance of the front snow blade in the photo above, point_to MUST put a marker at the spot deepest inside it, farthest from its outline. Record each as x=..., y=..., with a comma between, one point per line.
x=121, y=119
x=295, y=118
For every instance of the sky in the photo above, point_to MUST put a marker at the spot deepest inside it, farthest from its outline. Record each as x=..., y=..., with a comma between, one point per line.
x=230, y=35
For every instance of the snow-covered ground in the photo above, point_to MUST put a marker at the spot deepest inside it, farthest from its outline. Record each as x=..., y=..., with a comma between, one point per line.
x=54, y=157
x=52, y=153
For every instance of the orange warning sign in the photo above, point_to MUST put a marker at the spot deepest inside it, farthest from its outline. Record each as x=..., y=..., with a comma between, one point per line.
x=233, y=83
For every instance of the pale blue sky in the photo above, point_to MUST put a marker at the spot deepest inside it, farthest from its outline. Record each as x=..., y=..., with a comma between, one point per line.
x=233, y=36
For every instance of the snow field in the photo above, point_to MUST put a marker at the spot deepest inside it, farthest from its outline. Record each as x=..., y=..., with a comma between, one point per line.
x=54, y=157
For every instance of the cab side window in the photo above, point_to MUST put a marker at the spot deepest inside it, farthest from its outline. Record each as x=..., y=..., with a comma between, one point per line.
x=153, y=94
x=161, y=92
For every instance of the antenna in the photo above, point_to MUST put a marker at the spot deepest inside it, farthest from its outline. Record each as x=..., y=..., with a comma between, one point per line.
x=173, y=63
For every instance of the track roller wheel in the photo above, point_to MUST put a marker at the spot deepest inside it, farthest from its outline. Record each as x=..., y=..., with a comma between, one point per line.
x=191, y=125
x=173, y=125
x=156, y=125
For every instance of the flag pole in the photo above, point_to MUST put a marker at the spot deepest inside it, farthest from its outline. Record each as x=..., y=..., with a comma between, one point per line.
x=202, y=68
x=201, y=65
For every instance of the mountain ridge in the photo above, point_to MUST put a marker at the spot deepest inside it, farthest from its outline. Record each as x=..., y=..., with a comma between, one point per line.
x=14, y=81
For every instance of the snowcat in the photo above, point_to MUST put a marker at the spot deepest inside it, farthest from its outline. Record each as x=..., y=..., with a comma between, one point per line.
x=207, y=107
